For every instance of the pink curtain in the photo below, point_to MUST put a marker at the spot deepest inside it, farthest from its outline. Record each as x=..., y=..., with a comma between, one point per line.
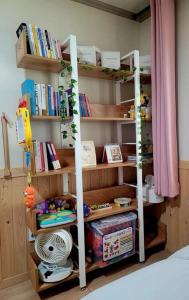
x=164, y=98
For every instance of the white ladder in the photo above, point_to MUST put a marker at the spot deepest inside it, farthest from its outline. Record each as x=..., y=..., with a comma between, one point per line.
x=133, y=58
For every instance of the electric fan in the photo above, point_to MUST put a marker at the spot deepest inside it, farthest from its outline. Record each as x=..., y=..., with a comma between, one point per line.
x=53, y=249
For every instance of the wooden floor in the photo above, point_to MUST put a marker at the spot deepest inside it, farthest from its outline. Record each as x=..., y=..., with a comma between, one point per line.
x=24, y=290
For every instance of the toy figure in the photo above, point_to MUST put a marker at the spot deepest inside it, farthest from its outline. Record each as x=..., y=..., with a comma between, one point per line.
x=29, y=197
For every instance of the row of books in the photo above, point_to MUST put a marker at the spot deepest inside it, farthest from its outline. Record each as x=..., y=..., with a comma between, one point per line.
x=45, y=157
x=40, y=41
x=44, y=99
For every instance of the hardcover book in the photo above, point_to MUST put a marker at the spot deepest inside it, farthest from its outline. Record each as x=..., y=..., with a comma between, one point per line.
x=112, y=153
x=88, y=154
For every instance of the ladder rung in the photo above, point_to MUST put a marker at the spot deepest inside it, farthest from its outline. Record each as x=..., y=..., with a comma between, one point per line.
x=127, y=101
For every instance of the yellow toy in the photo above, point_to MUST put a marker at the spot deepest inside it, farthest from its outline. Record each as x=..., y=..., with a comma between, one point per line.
x=23, y=127
x=24, y=138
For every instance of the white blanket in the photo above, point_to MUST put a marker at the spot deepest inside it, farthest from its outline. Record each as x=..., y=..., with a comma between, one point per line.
x=164, y=280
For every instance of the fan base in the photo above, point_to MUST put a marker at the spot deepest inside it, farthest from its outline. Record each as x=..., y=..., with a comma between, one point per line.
x=53, y=273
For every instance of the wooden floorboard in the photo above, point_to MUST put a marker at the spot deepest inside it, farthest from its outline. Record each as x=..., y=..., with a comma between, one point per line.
x=25, y=291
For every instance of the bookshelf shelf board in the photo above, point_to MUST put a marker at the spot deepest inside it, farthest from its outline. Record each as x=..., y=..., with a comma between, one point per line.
x=39, y=63
x=104, y=119
x=71, y=169
x=110, y=212
x=49, y=118
x=82, y=119
x=34, y=62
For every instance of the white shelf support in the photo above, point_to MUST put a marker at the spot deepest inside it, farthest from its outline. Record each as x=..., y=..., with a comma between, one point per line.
x=133, y=59
x=119, y=129
x=78, y=167
x=139, y=156
x=71, y=43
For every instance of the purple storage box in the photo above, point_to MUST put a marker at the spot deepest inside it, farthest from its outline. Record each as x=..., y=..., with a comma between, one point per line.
x=111, y=239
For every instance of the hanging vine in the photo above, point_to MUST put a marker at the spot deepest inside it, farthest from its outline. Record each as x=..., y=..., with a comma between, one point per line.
x=71, y=102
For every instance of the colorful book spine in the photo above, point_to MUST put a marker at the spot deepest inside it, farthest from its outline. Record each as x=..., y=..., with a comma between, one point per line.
x=88, y=106
x=42, y=157
x=41, y=42
x=55, y=103
x=51, y=110
x=51, y=45
x=52, y=163
x=43, y=90
x=44, y=42
x=45, y=157
x=35, y=39
x=28, y=87
x=59, y=49
x=31, y=39
x=39, y=93
x=48, y=44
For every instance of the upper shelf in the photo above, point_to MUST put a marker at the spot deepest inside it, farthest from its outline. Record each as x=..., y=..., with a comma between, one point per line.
x=34, y=62
x=99, y=112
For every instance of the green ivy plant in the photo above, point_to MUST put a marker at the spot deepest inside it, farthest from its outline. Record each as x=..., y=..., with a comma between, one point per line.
x=72, y=102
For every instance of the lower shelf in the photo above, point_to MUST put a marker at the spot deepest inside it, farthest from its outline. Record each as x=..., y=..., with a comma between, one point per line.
x=38, y=285
x=33, y=261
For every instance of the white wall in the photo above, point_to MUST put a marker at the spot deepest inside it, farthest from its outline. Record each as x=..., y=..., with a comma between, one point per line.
x=144, y=37
x=182, y=44
x=61, y=17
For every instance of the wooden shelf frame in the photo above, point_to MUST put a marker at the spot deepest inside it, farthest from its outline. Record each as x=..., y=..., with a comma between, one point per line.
x=29, y=61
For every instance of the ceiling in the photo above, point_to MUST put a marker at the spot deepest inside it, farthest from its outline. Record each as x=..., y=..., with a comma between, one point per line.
x=134, y=6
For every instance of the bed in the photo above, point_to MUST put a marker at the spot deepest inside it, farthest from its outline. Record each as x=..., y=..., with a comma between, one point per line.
x=165, y=280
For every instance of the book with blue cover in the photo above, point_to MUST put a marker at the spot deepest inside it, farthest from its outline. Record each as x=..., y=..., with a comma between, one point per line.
x=28, y=87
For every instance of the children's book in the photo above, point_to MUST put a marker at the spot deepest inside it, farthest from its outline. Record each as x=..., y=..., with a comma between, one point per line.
x=112, y=154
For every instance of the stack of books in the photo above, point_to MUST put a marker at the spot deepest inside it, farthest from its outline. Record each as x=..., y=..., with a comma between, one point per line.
x=45, y=157
x=132, y=157
x=40, y=41
x=44, y=99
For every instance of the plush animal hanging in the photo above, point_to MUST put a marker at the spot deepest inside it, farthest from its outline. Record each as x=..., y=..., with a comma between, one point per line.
x=29, y=196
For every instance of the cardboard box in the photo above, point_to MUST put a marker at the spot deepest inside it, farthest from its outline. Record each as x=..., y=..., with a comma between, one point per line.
x=145, y=64
x=110, y=59
x=89, y=54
